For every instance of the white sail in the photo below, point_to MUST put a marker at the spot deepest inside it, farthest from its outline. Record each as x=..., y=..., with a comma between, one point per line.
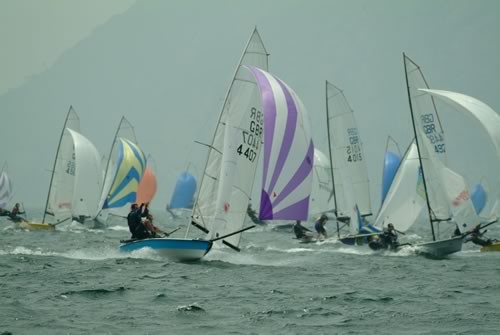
x=5, y=188
x=427, y=118
x=63, y=181
x=474, y=109
x=88, y=177
x=321, y=194
x=405, y=200
x=60, y=195
x=347, y=154
x=227, y=181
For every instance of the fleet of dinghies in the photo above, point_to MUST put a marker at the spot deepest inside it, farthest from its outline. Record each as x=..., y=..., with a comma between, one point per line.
x=299, y=182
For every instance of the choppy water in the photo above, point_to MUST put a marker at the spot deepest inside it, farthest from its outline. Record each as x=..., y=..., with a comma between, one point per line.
x=75, y=281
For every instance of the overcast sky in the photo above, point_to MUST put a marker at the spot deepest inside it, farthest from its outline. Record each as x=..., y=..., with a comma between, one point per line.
x=166, y=66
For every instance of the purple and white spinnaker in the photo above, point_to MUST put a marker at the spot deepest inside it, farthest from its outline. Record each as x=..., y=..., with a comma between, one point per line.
x=288, y=151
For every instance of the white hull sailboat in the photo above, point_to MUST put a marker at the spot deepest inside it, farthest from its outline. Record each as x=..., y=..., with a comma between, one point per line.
x=350, y=192
x=227, y=181
x=445, y=192
x=75, y=181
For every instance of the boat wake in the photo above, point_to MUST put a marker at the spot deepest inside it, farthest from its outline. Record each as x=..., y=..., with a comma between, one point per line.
x=94, y=254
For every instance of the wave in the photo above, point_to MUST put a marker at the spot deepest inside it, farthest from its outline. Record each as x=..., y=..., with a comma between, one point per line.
x=94, y=254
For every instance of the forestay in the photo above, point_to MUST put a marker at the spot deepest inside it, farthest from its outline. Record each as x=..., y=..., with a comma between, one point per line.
x=229, y=173
x=288, y=151
x=346, y=152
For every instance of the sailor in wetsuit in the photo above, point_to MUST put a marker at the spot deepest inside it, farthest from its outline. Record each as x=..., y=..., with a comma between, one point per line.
x=319, y=225
x=135, y=225
x=475, y=237
x=390, y=237
x=301, y=231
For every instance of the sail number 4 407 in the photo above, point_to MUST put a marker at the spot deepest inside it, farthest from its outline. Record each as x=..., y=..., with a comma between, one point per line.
x=252, y=137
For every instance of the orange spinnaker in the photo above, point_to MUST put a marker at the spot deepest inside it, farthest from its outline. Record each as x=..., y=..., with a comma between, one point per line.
x=147, y=187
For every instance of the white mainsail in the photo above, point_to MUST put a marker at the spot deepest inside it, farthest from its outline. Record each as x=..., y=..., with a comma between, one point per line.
x=446, y=191
x=62, y=182
x=346, y=152
x=321, y=194
x=229, y=174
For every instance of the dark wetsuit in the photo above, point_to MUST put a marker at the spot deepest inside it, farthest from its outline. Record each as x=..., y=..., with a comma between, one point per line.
x=137, y=229
x=300, y=231
x=320, y=228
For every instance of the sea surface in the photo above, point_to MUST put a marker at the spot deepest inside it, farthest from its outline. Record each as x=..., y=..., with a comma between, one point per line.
x=75, y=281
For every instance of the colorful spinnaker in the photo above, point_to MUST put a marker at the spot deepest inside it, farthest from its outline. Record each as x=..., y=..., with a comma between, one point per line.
x=288, y=151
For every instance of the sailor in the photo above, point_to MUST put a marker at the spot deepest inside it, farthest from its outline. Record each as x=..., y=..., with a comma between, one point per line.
x=300, y=231
x=135, y=225
x=15, y=212
x=319, y=226
x=390, y=237
x=475, y=237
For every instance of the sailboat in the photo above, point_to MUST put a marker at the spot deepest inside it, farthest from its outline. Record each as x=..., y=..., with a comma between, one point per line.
x=124, y=170
x=429, y=141
x=228, y=177
x=5, y=189
x=76, y=179
x=350, y=192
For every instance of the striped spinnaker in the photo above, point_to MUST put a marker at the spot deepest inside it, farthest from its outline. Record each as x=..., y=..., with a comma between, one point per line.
x=288, y=151
x=130, y=169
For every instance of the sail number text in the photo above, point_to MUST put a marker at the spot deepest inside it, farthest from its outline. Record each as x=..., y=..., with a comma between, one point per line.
x=252, y=136
x=429, y=127
x=70, y=166
x=353, y=149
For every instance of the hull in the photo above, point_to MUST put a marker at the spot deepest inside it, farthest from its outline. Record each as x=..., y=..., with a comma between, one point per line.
x=492, y=247
x=361, y=239
x=441, y=248
x=35, y=226
x=173, y=248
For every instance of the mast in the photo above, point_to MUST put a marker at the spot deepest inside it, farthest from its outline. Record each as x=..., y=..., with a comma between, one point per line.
x=330, y=156
x=55, y=162
x=418, y=149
